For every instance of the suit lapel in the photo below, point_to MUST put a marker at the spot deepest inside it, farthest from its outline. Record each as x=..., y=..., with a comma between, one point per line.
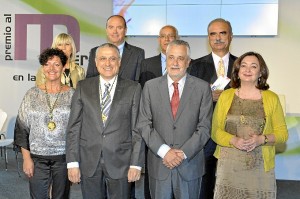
x=186, y=94
x=163, y=87
x=212, y=69
x=125, y=58
x=230, y=65
x=96, y=99
x=158, y=66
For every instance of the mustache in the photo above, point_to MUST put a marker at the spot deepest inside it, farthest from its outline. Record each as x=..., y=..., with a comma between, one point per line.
x=219, y=41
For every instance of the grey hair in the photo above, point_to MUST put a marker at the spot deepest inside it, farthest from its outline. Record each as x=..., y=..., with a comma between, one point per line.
x=180, y=43
x=109, y=45
x=220, y=20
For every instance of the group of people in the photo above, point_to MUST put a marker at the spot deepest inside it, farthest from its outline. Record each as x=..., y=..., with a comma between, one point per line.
x=160, y=114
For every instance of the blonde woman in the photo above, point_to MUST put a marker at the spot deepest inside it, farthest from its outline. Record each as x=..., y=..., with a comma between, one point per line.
x=73, y=72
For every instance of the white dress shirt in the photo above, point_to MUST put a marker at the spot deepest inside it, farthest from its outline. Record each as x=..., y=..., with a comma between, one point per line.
x=164, y=148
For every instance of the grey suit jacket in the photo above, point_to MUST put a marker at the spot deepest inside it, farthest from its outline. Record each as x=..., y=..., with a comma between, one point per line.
x=130, y=63
x=189, y=131
x=150, y=69
x=87, y=138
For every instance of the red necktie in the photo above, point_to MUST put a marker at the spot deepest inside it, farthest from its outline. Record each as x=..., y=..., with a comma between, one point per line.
x=175, y=99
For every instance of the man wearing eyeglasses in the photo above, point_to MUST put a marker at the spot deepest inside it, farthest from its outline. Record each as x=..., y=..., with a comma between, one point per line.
x=131, y=56
x=156, y=66
x=103, y=151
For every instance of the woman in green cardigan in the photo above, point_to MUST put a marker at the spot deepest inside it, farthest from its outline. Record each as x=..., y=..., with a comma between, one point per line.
x=247, y=123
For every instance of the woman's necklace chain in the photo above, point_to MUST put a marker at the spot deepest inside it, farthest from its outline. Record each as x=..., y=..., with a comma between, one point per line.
x=242, y=117
x=68, y=76
x=51, y=124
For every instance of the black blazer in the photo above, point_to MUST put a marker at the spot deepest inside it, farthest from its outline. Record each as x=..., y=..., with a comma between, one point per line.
x=204, y=68
x=130, y=63
x=150, y=69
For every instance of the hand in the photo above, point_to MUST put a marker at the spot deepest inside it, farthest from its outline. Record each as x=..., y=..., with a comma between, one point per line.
x=28, y=167
x=239, y=143
x=253, y=142
x=74, y=175
x=173, y=158
x=216, y=94
x=133, y=174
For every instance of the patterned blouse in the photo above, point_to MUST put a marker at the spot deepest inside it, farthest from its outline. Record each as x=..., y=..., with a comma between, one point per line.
x=31, y=129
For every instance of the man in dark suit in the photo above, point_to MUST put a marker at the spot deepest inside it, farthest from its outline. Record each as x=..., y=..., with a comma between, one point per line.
x=175, y=122
x=103, y=151
x=206, y=68
x=156, y=66
x=131, y=56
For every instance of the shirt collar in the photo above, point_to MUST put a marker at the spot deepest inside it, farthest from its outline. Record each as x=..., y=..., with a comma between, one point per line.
x=216, y=58
x=181, y=82
x=110, y=81
x=121, y=48
x=163, y=57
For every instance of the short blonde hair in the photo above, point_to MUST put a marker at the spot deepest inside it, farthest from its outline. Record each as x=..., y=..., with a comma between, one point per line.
x=64, y=38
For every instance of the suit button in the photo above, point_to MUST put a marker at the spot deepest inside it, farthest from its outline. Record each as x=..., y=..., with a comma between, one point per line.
x=174, y=127
x=104, y=136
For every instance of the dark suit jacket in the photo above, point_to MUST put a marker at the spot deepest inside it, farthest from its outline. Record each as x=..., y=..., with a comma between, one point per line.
x=189, y=131
x=150, y=69
x=204, y=68
x=130, y=63
x=87, y=138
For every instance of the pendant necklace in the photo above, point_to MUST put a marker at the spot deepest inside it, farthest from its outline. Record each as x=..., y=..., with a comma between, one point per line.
x=51, y=124
x=103, y=101
x=67, y=75
x=242, y=117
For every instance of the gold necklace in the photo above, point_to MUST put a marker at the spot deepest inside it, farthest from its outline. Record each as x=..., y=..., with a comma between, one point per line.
x=51, y=124
x=242, y=117
x=103, y=116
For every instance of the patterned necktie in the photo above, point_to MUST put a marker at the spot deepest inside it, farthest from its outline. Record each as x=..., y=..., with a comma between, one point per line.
x=221, y=68
x=175, y=99
x=106, y=102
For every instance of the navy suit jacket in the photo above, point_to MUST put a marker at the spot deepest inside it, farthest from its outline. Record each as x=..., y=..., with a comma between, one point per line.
x=130, y=63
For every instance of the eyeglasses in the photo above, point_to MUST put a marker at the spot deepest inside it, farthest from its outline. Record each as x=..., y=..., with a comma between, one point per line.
x=110, y=59
x=167, y=36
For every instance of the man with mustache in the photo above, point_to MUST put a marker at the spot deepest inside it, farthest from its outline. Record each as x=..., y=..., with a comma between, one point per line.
x=209, y=68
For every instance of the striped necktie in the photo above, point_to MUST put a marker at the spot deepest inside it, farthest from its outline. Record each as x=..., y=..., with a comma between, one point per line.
x=106, y=103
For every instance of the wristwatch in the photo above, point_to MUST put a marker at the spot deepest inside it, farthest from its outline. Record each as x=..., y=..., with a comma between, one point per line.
x=266, y=140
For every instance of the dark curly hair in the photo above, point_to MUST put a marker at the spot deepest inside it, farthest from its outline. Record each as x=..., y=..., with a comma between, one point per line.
x=49, y=53
x=262, y=80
